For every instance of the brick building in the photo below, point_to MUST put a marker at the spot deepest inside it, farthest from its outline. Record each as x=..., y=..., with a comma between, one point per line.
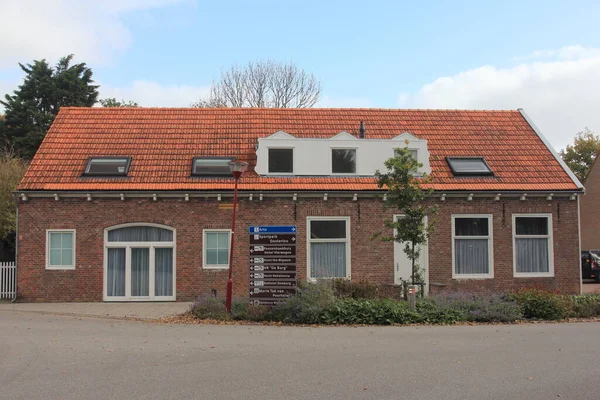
x=135, y=204
x=590, y=223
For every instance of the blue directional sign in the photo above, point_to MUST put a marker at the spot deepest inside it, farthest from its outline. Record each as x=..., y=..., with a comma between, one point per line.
x=272, y=229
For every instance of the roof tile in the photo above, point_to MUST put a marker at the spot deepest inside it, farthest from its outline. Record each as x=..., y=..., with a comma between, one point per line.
x=162, y=142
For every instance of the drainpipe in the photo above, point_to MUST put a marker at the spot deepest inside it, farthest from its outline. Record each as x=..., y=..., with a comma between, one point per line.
x=16, y=198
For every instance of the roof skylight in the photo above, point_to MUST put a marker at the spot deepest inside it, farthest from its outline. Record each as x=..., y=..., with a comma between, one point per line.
x=107, y=166
x=469, y=166
x=211, y=166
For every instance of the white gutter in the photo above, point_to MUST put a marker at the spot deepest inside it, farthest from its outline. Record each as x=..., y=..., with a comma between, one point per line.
x=549, y=146
x=124, y=194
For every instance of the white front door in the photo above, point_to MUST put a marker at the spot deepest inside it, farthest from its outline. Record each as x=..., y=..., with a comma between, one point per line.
x=403, y=266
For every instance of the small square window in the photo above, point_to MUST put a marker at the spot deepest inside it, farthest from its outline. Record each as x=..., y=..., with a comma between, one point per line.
x=413, y=152
x=469, y=166
x=211, y=166
x=60, y=249
x=216, y=248
x=343, y=161
x=107, y=166
x=281, y=161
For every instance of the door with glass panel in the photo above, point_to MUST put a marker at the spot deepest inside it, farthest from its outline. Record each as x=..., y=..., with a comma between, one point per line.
x=139, y=263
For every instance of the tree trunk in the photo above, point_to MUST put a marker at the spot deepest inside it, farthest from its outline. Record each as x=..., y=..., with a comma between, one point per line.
x=413, y=262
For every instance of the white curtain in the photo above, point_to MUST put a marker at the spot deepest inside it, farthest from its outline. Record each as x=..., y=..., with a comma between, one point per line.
x=328, y=260
x=163, y=272
x=532, y=255
x=471, y=256
x=140, y=234
x=140, y=271
x=115, y=280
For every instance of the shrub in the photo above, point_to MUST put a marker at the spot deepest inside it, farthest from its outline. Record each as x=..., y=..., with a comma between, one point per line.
x=462, y=301
x=307, y=306
x=429, y=312
x=206, y=307
x=584, y=306
x=490, y=308
x=496, y=310
x=361, y=311
x=539, y=304
x=387, y=312
x=242, y=310
x=347, y=289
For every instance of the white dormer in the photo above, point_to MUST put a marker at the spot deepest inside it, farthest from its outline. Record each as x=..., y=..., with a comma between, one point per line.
x=341, y=155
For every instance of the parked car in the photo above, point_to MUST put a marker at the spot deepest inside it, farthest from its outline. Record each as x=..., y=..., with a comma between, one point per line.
x=590, y=265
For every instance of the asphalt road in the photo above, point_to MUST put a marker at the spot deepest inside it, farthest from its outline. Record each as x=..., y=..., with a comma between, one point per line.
x=60, y=357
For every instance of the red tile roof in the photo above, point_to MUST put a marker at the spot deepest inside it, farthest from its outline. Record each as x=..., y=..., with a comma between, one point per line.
x=162, y=142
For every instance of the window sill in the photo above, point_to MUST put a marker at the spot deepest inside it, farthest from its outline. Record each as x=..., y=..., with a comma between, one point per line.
x=61, y=268
x=540, y=275
x=470, y=277
x=315, y=280
x=208, y=267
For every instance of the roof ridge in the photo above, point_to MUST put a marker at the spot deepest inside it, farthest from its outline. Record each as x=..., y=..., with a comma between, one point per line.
x=275, y=109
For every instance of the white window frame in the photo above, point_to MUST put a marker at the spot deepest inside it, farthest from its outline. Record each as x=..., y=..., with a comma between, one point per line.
x=128, y=246
x=215, y=266
x=489, y=237
x=549, y=236
x=332, y=148
x=293, y=159
x=309, y=241
x=396, y=149
x=60, y=267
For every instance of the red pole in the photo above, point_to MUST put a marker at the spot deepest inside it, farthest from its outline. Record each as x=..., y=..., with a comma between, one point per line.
x=236, y=175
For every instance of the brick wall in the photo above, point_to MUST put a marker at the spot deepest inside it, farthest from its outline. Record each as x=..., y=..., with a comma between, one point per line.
x=371, y=260
x=590, y=217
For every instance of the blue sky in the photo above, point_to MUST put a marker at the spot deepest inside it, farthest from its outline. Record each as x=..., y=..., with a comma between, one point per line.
x=539, y=55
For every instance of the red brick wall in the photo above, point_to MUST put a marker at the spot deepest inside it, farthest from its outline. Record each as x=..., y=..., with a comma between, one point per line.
x=372, y=260
x=590, y=202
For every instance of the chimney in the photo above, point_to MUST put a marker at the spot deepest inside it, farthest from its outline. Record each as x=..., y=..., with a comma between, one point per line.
x=362, y=130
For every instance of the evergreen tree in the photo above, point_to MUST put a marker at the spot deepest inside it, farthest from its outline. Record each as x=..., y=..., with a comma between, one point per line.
x=31, y=108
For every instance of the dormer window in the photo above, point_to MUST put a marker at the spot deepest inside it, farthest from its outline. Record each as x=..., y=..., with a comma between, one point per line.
x=413, y=152
x=343, y=161
x=211, y=166
x=281, y=161
x=469, y=166
x=107, y=166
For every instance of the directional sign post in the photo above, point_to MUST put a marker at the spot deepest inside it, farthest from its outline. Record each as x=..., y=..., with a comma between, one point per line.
x=272, y=269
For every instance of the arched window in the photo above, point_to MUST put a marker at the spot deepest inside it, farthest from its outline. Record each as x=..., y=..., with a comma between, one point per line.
x=139, y=262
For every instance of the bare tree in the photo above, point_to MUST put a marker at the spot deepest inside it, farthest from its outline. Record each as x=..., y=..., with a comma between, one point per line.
x=264, y=84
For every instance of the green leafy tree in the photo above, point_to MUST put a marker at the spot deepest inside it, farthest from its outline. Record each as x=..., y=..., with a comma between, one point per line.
x=406, y=192
x=12, y=169
x=112, y=102
x=32, y=107
x=580, y=156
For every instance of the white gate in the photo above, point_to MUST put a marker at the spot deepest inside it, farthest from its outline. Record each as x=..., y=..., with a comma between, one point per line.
x=8, y=280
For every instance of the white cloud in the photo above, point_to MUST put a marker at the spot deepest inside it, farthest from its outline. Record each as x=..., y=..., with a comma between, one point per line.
x=153, y=94
x=91, y=29
x=560, y=93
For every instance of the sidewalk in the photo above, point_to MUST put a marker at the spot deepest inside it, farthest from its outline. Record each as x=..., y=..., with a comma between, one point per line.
x=105, y=310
